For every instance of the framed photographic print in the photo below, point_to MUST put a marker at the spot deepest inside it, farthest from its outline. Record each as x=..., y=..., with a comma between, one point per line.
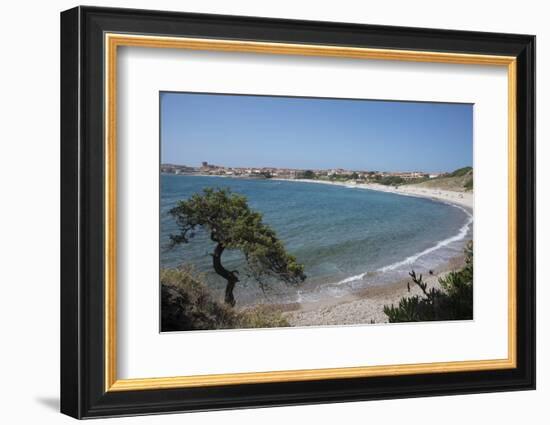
x=261, y=212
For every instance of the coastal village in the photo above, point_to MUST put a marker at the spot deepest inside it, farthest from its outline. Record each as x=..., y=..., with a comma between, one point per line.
x=358, y=176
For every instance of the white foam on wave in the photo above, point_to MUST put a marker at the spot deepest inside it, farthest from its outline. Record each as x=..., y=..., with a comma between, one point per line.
x=409, y=260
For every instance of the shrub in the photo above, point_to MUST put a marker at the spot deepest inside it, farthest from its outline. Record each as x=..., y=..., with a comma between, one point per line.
x=262, y=316
x=308, y=174
x=469, y=185
x=391, y=180
x=453, y=302
x=187, y=304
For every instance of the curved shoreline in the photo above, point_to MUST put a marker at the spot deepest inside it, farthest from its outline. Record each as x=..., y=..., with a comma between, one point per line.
x=455, y=199
x=366, y=306
x=464, y=199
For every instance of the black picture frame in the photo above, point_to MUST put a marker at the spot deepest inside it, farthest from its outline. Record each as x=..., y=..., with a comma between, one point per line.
x=83, y=392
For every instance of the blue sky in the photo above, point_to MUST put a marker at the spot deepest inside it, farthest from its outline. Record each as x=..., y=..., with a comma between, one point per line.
x=269, y=131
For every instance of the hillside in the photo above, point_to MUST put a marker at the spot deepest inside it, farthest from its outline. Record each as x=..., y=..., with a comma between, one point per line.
x=460, y=180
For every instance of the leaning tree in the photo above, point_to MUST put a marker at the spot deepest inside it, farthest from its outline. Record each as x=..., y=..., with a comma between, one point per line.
x=232, y=225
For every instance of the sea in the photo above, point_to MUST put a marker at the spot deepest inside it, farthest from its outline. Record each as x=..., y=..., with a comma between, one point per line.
x=347, y=238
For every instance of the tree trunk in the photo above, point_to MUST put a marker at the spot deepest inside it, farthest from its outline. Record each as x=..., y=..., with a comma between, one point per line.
x=229, y=298
x=231, y=277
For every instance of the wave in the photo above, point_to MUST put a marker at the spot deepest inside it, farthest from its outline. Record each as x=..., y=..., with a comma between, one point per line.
x=411, y=259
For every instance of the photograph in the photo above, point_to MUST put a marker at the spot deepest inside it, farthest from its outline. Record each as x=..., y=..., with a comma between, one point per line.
x=280, y=211
x=284, y=210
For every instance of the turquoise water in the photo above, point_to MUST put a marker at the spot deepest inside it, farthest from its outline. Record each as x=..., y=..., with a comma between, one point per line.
x=347, y=238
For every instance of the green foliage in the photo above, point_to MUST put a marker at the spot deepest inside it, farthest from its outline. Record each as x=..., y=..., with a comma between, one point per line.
x=308, y=174
x=233, y=225
x=391, y=180
x=469, y=185
x=397, y=180
x=453, y=302
x=187, y=304
x=460, y=172
x=344, y=177
x=420, y=179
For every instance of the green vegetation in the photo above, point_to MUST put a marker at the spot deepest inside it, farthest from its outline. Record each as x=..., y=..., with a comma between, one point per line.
x=453, y=302
x=459, y=180
x=390, y=180
x=469, y=184
x=461, y=172
x=187, y=304
x=232, y=225
x=308, y=174
x=398, y=181
x=343, y=177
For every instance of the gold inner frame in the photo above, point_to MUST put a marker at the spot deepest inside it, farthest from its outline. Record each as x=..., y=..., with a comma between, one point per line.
x=113, y=41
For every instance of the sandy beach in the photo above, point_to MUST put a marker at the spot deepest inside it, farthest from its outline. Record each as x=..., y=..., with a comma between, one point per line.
x=464, y=199
x=367, y=306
